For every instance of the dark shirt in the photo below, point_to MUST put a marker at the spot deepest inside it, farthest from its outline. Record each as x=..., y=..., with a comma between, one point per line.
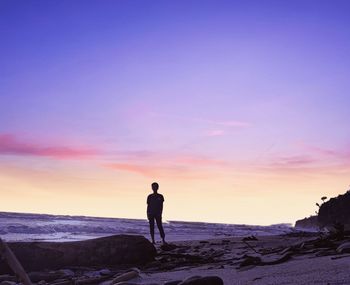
x=155, y=204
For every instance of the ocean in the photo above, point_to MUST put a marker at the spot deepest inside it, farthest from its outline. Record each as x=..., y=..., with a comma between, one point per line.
x=42, y=227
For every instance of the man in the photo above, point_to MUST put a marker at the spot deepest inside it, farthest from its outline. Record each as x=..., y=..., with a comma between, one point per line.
x=154, y=211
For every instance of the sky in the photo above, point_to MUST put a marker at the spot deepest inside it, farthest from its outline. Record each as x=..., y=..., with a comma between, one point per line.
x=238, y=109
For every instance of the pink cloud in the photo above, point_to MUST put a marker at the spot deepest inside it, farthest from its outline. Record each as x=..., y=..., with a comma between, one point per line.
x=10, y=145
x=294, y=161
x=195, y=160
x=215, y=133
x=175, y=166
x=343, y=154
x=140, y=169
x=154, y=172
x=309, y=164
x=290, y=164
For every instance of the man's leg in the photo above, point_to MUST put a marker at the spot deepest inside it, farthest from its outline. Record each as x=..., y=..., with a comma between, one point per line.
x=160, y=227
x=151, y=227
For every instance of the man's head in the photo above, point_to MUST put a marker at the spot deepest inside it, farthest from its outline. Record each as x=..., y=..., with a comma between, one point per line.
x=155, y=187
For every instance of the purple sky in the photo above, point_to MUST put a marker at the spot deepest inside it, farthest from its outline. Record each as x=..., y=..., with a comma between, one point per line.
x=174, y=89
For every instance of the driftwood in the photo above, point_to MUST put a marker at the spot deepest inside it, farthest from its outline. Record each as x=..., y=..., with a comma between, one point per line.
x=339, y=257
x=344, y=248
x=126, y=276
x=116, y=250
x=276, y=260
x=189, y=257
x=259, y=261
x=247, y=244
x=13, y=263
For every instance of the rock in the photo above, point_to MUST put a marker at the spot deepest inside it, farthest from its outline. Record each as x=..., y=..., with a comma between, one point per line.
x=83, y=280
x=168, y=246
x=176, y=282
x=208, y=280
x=7, y=277
x=92, y=274
x=336, y=210
x=191, y=278
x=105, y=272
x=250, y=260
x=63, y=282
x=134, y=283
x=183, y=249
x=67, y=272
x=50, y=275
x=8, y=283
x=249, y=238
x=105, y=251
x=344, y=248
x=308, y=223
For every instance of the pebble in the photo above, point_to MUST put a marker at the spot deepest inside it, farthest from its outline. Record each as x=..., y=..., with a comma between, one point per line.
x=105, y=272
x=207, y=280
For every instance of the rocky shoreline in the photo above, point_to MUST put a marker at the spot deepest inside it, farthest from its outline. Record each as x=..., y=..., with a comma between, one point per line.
x=233, y=254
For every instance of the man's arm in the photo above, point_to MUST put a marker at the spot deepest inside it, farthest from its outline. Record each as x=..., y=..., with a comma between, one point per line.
x=161, y=207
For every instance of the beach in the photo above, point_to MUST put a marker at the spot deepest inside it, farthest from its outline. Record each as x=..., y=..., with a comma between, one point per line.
x=296, y=258
x=320, y=270
x=305, y=268
x=238, y=254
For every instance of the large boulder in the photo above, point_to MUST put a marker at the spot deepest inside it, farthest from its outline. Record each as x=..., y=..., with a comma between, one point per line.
x=105, y=251
x=308, y=223
x=336, y=210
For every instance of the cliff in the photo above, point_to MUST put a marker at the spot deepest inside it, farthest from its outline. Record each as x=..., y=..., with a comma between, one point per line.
x=336, y=210
x=308, y=223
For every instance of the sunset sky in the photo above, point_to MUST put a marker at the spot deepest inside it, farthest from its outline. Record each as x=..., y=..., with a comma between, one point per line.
x=239, y=109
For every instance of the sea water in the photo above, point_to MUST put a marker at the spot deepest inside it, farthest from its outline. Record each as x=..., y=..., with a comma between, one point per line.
x=39, y=227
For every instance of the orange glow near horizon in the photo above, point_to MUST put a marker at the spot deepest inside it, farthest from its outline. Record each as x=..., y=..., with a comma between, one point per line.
x=226, y=196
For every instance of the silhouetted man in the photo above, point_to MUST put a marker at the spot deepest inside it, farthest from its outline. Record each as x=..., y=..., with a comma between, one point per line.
x=154, y=211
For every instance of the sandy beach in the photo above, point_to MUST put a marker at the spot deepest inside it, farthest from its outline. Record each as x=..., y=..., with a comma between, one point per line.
x=306, y=268
x=298, y=258
x=321, y=270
